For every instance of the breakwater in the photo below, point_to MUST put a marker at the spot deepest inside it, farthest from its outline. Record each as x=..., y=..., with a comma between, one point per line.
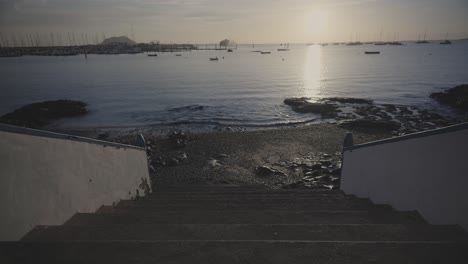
x=94, y=49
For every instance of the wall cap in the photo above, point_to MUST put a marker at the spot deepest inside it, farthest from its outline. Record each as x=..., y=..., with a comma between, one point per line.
x=48, y=134
x=439, y=131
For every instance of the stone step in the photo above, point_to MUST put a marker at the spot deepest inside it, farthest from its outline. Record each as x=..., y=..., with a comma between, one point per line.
x=292, y=195
x=117, y=216
x=259, y=252
x=210, y=186
x=316, y=232
x=329, y=199
x=325, y=205
x=242, y=191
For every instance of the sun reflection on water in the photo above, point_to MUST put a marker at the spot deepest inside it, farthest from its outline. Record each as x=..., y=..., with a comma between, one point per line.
x=312, y=72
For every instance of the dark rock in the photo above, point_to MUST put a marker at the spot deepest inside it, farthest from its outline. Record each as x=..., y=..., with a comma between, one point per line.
x=158, y=162
x=265, y=171
x=367, y=124
x=320, y=177
x=301, y=105
x=104, y=135
x=221, y=156
x=182, y=157
x=178, y=138
x=213, y=163
x=316, y=167
x=456, y=97
x=405, y=111
x=390, y=108
x=296, y=101
x=334, y=180
x=37, y=115
x=336, y=172
x=326, y=162
x=149, y=150
x=314, y=173
x=348, y=100
x=172, y=162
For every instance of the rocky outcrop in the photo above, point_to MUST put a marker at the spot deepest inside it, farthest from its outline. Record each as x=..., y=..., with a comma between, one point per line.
x=343, y=100
x=456, y=97
x=316, y=174
x=302, y=105
x=38, y=115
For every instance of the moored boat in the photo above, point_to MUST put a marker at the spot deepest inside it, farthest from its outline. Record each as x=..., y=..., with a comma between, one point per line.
x=371, y=52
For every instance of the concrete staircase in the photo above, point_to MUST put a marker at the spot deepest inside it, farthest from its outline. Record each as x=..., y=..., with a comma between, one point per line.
x=241, y=224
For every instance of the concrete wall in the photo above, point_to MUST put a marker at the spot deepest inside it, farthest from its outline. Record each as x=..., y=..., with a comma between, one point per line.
x=427, y=172
x=45, y=178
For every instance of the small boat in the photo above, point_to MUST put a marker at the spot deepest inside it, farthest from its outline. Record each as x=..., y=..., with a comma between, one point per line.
x=372, y=52
x=229, y=50
x=446, y=41
x=284, y=48
x=214, y=59
x=424, y=41
x=178, y=55
x=152, y=55
x=265, y=52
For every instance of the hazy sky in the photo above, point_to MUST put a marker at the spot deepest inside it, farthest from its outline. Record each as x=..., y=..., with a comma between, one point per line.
x=245, y=21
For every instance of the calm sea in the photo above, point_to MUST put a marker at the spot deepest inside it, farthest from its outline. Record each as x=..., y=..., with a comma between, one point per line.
x=244, y=89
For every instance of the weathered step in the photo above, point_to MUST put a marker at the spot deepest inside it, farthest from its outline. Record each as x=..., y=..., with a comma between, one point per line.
x=201, y=195
x=325, y=205
x=245, y=200
x=210, y=186
x=321, y=232
x=240, y=191
x=258, y=252
x=122, y=217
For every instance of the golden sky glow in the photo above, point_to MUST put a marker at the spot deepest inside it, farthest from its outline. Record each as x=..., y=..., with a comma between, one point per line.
x=246, y=21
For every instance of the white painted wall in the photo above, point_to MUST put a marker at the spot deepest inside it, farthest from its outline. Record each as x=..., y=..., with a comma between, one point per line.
x=428, y=174
x=44, y=181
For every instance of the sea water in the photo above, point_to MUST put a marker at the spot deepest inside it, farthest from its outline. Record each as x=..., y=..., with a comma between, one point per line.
x=242, y=89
